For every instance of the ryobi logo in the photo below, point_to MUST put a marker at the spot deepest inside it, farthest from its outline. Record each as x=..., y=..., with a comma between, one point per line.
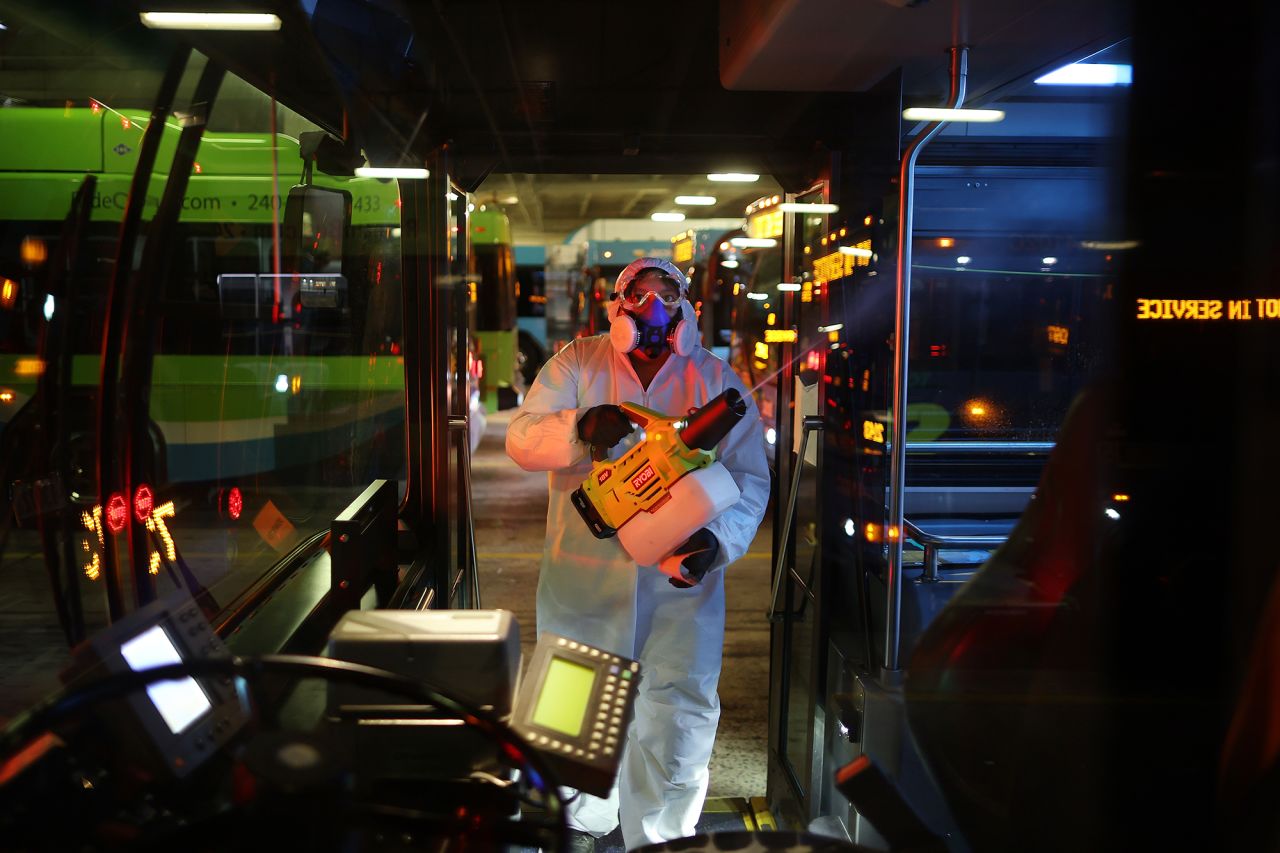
x=639, y=481
x=604, y=475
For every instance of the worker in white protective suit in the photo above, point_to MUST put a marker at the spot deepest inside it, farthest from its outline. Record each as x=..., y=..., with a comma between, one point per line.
x=591, y=591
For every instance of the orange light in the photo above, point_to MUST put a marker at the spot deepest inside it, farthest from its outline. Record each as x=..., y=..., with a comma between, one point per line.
x=33, y=251
x=946, y=242
x=29, y=367
x=978, y=410
x=295, y=384
x=198, y=169
x=893, y=533
x=125, y=123
x=95, y=106
x=866, y=220
x=8, y=292
x=6, y=396
x=872, y=532
x=1119, y=498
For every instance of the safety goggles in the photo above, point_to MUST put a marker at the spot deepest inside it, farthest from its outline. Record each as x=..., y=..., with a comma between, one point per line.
x=637, y=298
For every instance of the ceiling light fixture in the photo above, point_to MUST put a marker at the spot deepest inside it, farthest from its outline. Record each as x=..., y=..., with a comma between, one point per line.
x=403, y=173
x=940, y=114
x=1088, y=74
x=240, y=21
x=733, y=177
x=804, y=207
x=696, y=200
x=667, y=217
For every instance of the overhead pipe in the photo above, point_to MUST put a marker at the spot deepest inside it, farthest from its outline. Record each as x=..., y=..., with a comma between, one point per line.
x=901, y=351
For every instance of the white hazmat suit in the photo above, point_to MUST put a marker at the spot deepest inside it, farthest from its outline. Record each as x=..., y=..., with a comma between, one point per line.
x=591, y=591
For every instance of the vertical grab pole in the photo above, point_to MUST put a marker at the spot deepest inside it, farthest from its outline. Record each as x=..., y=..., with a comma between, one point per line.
x=901, y=350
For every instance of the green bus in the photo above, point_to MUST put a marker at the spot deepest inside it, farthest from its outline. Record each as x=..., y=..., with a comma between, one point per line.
x=247, y=379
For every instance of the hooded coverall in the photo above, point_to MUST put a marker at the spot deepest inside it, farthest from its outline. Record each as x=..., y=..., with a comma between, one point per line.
x=591, y=591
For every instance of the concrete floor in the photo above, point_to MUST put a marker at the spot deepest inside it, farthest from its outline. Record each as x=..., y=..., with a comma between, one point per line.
x=510, y=518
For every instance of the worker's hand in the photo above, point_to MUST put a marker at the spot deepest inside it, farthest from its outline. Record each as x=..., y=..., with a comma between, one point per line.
x=696, y=555
x=604, y=426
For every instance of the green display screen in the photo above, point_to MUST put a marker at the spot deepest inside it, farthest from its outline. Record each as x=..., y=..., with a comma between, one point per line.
x=565, y=692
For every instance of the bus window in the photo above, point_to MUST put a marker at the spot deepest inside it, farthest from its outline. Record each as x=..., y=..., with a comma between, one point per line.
x=266, y=415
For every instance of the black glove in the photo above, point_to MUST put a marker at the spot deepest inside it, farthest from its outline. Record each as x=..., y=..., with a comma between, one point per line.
x=604, y=426
x=702, y=550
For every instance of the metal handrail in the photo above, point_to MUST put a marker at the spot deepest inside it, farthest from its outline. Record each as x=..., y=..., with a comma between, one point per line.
x=975, y=447
x=462, y=424
x=811, y=423
x=933, y=543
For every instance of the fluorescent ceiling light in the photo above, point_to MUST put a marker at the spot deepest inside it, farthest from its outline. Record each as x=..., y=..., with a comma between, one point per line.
x=1109, y=245
x=799, y=207
x=732, y=265
x=1089, y=74
x=392, y=172
x=251, y=21
x=754, y=242
x=788, y=286
x=963, y=259
x=734, y=177
x=856, y=251
x=667, y=217
x=759, y=297
x=940, y=114
x=834, y=327
x=696, y=200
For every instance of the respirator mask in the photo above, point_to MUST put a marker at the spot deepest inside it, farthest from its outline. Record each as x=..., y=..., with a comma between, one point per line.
x=647, y=321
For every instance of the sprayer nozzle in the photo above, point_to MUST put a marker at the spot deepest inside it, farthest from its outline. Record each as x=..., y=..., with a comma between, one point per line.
x=709, y=425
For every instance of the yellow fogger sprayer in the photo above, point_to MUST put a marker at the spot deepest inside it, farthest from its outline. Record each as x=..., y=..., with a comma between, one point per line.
x=668, y=486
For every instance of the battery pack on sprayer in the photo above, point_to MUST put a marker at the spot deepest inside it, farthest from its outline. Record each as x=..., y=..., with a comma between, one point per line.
x=668, y=486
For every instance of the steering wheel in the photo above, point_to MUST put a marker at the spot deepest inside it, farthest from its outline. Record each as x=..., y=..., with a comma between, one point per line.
x=290, y=788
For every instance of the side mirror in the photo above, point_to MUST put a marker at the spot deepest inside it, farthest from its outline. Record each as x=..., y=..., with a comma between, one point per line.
x=316, y=220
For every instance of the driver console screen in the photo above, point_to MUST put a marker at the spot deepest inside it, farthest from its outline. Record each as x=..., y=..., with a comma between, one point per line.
x=180, y=701
x=566, y=689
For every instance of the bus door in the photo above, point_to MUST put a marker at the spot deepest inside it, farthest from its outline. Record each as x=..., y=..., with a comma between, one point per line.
x=1005, y=326
x=795, y=312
